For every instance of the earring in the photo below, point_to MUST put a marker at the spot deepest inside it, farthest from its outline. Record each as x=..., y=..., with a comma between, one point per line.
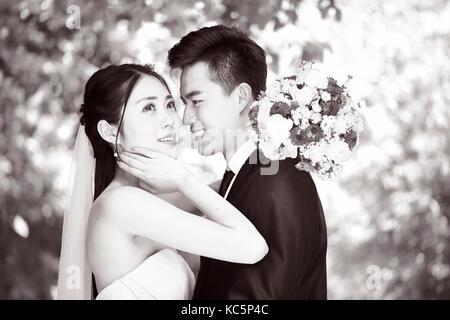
x=115, y=155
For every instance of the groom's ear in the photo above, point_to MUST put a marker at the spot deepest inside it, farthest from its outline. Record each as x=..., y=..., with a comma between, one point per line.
x=245, y=96
x=107, y=131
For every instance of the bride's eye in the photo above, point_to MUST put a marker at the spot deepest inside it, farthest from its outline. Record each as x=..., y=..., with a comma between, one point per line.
x=149, y=107
x=171, y=105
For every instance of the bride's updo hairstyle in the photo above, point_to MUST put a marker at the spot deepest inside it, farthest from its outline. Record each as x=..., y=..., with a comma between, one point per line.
x=105, y=98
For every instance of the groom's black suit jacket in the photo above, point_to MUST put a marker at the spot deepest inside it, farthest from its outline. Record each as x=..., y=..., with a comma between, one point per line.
x=286, y=210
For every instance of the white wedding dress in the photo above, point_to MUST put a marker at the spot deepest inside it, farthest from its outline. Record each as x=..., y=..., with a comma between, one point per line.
x=164, y=275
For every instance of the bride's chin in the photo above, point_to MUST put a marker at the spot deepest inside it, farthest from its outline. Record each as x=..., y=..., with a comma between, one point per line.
x=169, y=149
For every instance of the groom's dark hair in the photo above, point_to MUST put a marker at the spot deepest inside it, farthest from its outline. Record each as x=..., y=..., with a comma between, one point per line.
x=231, y=56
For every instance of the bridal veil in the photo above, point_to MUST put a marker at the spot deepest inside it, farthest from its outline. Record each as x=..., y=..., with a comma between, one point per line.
x=75, y=275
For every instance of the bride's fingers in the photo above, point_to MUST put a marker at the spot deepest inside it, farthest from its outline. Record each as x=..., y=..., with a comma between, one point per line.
x=135, y=156
x=146, y=186
x=139, y=165
x=131, y=170
x=133, y=162
x=148, y=153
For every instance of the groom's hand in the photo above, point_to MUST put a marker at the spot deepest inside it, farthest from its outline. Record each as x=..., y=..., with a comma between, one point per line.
x=157, y=172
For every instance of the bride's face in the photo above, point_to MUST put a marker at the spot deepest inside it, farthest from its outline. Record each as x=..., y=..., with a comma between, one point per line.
x=151, y=119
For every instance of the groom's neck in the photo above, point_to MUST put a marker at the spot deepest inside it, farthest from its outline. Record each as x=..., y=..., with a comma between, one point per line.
x=232, y=145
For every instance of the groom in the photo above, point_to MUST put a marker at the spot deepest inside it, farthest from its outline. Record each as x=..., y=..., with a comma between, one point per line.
x=222, y=73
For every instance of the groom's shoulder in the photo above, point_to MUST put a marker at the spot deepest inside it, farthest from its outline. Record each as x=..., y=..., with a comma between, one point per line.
x=282, y=174
x=280, y=170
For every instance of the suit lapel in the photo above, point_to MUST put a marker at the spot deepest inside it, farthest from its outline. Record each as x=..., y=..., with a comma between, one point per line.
x=241, y=175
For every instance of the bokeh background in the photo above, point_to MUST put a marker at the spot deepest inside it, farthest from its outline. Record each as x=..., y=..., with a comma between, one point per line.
x=388, y=214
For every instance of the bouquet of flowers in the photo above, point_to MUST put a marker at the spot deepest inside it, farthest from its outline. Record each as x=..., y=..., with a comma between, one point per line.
x=310, y=117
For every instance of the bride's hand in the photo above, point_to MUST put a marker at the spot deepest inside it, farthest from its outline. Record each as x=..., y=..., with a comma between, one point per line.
x=157, y=172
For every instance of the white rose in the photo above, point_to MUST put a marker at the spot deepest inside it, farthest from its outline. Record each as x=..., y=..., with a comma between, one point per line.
x=288, y=151
x=278, y=129
x=327, y=124
x=269, y=150
x=338, y=151
x=316, y=107
x=340, y=125
x=325, y=96
x=316, y=117
x=304, y=123
x=264, y=110
x=305, y=112
x=304, y=95
x=286, y=86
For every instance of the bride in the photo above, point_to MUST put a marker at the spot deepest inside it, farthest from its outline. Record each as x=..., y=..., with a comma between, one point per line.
x=124, y=236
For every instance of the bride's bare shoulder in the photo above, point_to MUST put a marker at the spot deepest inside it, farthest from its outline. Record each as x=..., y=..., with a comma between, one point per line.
x=118, y=200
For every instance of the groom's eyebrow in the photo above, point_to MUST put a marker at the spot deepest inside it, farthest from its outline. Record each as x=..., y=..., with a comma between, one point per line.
x=192, y=93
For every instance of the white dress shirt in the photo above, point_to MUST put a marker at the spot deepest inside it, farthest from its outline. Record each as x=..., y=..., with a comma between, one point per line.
x=238, y=159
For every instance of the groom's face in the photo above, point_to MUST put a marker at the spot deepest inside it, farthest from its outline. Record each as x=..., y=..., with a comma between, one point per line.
x=211, y=112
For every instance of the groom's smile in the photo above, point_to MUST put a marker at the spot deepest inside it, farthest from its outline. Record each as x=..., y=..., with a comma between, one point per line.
x=197, y=129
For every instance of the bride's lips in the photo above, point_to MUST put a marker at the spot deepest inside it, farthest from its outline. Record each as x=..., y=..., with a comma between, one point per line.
x=170, y=138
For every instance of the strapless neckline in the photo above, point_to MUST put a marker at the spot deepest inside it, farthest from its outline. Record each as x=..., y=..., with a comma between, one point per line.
x=163, y=275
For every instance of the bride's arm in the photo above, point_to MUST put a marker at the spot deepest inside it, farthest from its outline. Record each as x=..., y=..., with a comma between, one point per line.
x=226, y=234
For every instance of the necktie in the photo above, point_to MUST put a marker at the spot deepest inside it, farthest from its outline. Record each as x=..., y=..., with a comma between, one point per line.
x=227, y=177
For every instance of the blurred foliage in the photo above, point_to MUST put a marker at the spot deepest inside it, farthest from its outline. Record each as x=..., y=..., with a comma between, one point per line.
x=388, y=214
